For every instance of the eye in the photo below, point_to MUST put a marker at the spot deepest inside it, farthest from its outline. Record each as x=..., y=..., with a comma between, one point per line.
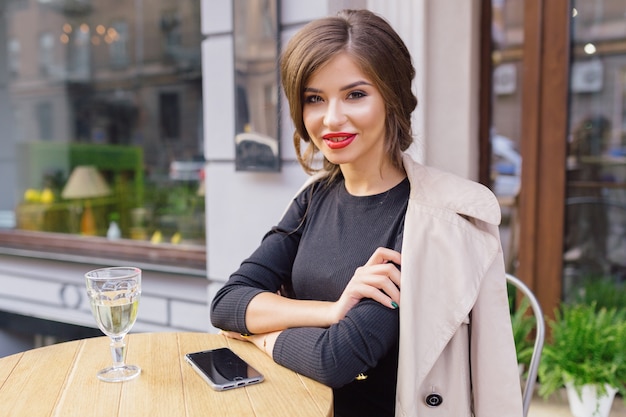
x=356, y=94
x=312, y=99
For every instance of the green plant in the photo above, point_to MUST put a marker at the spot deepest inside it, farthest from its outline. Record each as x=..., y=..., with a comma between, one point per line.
x=523, y=324
x=588, y=346
x=604, y=291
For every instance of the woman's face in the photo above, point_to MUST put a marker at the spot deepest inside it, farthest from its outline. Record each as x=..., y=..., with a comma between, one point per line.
x=344, y=114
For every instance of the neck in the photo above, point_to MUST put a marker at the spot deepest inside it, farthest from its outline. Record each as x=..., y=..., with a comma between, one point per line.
x=372, y=181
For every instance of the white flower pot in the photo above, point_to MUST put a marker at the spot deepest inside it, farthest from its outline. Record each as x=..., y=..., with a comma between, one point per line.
x=588, y=404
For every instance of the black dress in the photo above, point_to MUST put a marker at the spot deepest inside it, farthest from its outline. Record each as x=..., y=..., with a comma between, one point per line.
x=313, y=253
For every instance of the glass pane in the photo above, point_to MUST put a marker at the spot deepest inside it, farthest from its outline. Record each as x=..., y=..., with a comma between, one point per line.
x=506, y=161
x=595, y=225
x=255, y=25
x=104, y=91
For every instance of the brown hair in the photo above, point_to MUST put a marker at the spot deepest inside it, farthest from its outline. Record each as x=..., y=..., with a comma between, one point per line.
x=378, y=51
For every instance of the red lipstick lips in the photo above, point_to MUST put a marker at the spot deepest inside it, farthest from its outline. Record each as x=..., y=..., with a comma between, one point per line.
x=338, y=140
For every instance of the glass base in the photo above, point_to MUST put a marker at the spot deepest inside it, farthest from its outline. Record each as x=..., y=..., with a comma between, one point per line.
x=119, y=373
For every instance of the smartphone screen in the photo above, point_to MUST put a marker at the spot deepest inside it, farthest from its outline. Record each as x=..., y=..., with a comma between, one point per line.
x=222, y=369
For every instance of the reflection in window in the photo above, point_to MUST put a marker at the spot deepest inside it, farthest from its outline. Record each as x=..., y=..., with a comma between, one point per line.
x=595, y=208
x=506, y=139
x=126, y=124
x=256, y=90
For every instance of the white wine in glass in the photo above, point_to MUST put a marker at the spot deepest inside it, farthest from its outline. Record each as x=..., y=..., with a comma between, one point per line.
x=114, y=296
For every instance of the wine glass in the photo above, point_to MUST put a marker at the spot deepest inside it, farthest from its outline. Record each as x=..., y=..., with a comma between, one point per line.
x=114, y=296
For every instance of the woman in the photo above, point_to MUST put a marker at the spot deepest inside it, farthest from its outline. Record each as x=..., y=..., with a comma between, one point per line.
x=321, y=293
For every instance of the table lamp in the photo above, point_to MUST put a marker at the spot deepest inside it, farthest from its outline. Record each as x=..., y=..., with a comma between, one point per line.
x=84, y=183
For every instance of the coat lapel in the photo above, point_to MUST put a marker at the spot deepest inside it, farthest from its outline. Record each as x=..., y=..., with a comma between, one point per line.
x=444, y=258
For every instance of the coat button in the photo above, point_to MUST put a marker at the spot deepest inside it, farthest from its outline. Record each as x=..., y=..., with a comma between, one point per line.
x=434, y=400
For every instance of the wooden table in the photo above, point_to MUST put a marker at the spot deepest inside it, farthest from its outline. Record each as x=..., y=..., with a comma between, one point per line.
x=60, y=380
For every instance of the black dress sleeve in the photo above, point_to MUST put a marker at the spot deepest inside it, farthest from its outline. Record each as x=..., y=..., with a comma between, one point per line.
x=336, y=355
x=267, y=269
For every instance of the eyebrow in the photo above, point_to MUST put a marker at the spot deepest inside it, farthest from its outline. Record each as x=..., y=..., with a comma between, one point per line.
x=347, y=87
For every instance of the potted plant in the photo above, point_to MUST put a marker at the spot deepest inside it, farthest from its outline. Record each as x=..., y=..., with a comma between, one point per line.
x=587, y=354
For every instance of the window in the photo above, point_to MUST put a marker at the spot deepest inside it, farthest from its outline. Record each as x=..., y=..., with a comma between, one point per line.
x=170, y=26
x=594, y=250
x=117, y=37
x=169, y=115
x=44, y=120
x=80, y=53
x=126, y=125
x=14, y=57
x=46, y=53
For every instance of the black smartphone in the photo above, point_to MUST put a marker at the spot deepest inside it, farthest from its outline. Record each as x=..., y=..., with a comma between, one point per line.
x=222, y=369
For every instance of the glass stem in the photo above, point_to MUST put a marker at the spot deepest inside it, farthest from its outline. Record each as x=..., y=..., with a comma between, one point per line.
x=118, y=351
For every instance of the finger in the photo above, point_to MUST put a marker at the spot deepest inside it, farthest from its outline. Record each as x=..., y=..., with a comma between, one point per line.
x=371, y=285
x=382, y=297
x=384, y=255
x=392, y=289
x=388, y=270
x=234, y=335
x=389, y=287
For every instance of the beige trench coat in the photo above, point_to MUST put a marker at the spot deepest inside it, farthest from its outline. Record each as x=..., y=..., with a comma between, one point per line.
x=456, y=344
x=456, y=341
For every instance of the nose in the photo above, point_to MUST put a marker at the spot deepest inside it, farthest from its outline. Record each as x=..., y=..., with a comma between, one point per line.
x=335, y=115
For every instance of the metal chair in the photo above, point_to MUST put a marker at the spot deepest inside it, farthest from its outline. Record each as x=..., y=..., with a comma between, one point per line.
x=540, y=333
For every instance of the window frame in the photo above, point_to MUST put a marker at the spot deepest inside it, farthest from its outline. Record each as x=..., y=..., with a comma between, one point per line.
x=187, y=259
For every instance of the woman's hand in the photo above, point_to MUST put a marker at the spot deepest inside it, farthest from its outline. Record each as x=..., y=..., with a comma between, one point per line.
x=378, y=279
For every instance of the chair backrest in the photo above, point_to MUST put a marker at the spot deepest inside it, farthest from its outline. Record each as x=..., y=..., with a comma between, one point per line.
x=540, y=333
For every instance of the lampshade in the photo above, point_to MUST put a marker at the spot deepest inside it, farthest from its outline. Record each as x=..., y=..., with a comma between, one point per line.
x=85, y=182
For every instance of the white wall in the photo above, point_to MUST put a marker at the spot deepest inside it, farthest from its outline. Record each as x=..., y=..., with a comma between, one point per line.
x=54, y=289
x=443, y=38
